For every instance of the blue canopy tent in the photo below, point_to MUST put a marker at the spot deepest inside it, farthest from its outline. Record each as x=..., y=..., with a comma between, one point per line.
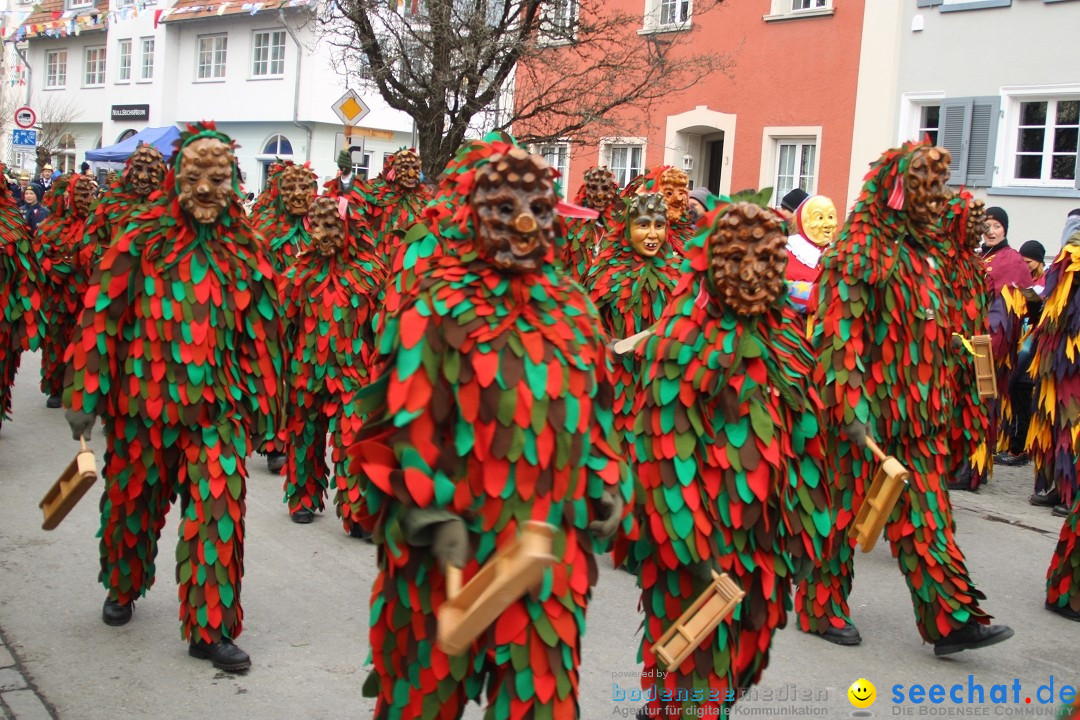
x=161, y=137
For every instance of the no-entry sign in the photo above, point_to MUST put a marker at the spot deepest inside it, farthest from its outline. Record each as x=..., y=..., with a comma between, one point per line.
x=25, y=118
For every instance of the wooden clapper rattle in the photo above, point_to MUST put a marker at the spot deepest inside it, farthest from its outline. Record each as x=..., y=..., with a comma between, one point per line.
x=73, y=483
x=985, y=377
x=889, y=480
x=514, y=571
x=700, y=619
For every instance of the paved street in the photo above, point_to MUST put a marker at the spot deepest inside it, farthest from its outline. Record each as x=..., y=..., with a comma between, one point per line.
x=305, y=597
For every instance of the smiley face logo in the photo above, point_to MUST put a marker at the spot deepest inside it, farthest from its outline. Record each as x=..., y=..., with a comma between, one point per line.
x=862, y=693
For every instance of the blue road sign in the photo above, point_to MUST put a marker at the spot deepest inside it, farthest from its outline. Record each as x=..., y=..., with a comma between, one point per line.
x=24, y=138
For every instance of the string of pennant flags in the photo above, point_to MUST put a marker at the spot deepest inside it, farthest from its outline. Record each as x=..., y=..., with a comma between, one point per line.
x=74, y=22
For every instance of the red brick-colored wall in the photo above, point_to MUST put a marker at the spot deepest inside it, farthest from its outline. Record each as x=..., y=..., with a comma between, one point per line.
x=800, y=72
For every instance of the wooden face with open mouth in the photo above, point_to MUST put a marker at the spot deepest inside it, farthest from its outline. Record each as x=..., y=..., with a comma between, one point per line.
x=925, y=193
x=748, y=258
x=647, y=223
x=407, y=169
x=297, y=187
x=600, y=188
x=146, y=172
x=514, y=200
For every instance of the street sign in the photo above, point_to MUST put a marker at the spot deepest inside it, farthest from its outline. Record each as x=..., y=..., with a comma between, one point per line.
x=24, y=138
x=355, y=146
x=25, y=118
x=351, y=108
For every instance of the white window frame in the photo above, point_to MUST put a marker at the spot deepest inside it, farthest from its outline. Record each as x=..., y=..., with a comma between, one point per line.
x=558, y=22
x=771, y=140
x=213, y=65
x=1008, y=134
x=55, y=77
x=123, y=70
x=78, y=4
x=607, y=145
x=557, y=151
x=124, y=3
x=99, y=73
x=786, y=9
x=911, y=107
x=269, y=60
x=143, y=66
x=654, y=11
x=363, y=171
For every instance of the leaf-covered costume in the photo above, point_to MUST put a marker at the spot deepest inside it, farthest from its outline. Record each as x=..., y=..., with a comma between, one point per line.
x=178, y=351
x=393, y=207
x=21, y=281
x=67, y=260
x=1054, y=434
x=328, y=304
x=889, y=304
x=491, y=404
x=118, y=203
x=283, y=232
x=1063, y=576
x=583, y=236
x=728, y=452
x=974, y=426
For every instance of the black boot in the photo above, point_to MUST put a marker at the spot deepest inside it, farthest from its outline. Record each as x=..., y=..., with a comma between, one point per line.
x=1064, y=611
x=1046, y=499
x=223, y=654
x=847, y=635
x=53, y=402
x=971, y=637
x=359, y=533
x=302, y=516
x=1060, y=511
x=115, y=614
x=275, y=461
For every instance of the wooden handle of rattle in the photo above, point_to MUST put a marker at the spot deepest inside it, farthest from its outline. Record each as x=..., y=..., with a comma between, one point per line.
x=453, y=581
x=82, y=442
x=873, y=446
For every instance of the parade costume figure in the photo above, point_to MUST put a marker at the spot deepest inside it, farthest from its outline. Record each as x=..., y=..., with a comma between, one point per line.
x=329, y=297
x=1054, y=434
x=598, y=192
x=630, y=284
x=21, y=281
x=973, y=427
x=889, y=306
x=178, y=351
x=67, y=260
x=728, y=452
x=815, y=229
x=280, y=217
x=674, y=186
x=492, y=408
x=395, y=201
x=1063, y=577
x=144, y=173
x=346, y=184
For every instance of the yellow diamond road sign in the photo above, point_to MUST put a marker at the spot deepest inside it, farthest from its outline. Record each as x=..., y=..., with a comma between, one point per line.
x=350, y=108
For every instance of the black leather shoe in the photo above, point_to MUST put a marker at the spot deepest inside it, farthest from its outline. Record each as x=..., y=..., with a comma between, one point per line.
x=275, y=461
x=971, y=637
x=302, y=516
x=1047, y=499
x=1064, y=611
x=115, y=614
x=223, y=654
x=359, y=533
x=1061, y=511
x=847, y=635
x=53, y=402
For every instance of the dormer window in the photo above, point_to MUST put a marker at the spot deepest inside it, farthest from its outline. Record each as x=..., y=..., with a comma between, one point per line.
x=79, y=4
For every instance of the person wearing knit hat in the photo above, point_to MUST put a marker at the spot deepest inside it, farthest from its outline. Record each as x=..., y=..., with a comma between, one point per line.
x=699, y=202
x=1004, y=266
x=1034, y=255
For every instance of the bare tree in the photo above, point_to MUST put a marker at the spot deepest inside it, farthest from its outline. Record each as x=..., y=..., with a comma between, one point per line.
x=549, y=69
x=55, y=116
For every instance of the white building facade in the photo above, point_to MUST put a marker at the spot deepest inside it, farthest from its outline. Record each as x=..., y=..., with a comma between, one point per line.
x=261, y=74
x=996, y=82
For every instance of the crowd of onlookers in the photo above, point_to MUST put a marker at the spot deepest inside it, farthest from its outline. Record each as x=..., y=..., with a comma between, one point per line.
x=29, y=193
